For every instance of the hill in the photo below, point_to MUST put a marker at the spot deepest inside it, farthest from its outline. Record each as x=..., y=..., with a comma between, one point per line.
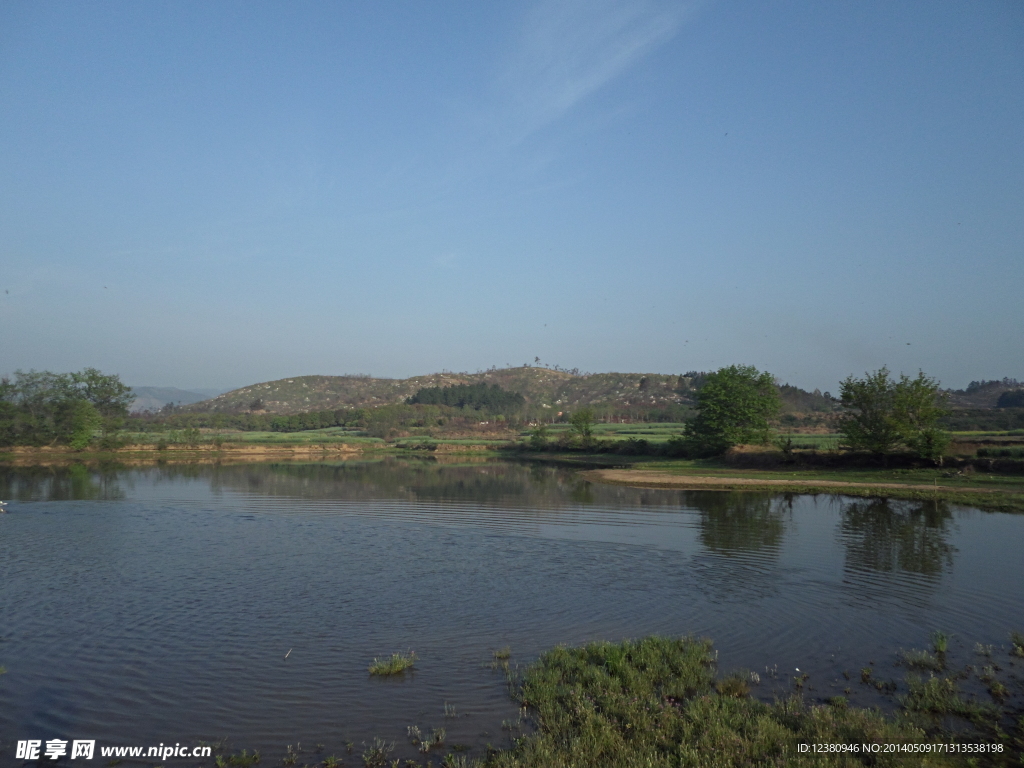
x=631, y=395
x=982, y=394
x=542, y=388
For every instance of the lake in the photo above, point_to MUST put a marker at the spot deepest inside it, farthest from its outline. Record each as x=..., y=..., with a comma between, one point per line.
x=242, y=604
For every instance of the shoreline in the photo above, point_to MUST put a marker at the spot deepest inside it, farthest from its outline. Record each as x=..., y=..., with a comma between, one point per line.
x=984, y=498
x=587, y=467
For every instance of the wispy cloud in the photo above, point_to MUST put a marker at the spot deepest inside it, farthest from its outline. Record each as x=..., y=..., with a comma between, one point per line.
x=570, y=48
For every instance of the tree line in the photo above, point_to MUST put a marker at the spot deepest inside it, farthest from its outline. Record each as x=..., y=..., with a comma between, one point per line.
x=739, y=404
x=44, y=408
x=476, y=396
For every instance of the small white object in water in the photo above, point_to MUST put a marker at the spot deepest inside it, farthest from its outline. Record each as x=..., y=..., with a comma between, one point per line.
x=798, y=669
x=289, y=653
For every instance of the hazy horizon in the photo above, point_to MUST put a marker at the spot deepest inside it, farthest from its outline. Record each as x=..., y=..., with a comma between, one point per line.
x=201, y=195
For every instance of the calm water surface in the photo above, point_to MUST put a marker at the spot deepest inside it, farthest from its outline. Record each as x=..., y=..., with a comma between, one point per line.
x=141, y=606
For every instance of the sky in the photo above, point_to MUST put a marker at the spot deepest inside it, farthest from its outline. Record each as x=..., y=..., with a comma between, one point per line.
x=212, y=194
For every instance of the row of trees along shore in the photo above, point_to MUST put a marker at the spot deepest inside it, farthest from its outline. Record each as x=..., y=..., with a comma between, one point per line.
x=738, y=405
x=43, y=408
x=734, y=405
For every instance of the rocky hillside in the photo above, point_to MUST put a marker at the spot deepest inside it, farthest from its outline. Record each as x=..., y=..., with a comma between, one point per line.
x=542, y=387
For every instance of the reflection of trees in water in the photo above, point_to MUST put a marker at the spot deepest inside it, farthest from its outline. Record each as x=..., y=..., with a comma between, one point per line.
x=888, y=535
x=70, y=483
x=741, y=534
x=738, y=522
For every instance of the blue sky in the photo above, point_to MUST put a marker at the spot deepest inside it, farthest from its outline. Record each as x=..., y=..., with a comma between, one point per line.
x=203, y=194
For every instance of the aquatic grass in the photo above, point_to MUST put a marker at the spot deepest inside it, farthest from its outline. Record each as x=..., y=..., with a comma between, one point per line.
x=940, y=643
x=922, y=660
x=242, y=760
x=433, y=740
x=941, y=696
x=996, y=689
x=655, y=702
x=377, y=753
x=1017, y=641
x=735, y=685
x=396, y=664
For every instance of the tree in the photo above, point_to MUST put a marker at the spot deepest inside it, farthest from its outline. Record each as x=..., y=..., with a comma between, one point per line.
x=734, y=406
x=582, y=423
x=884, y=414
x=82, y=420
x=111, y=398
x=1012, y=398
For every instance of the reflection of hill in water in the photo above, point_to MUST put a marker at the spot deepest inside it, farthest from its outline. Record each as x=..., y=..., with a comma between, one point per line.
x=887, y=535
x=497, y=484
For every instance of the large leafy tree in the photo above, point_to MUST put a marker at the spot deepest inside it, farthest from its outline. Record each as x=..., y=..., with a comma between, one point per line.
x=735, y=405
x=884, y=414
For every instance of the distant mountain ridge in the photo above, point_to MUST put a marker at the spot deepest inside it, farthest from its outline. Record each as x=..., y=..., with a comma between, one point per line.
x=155, y=398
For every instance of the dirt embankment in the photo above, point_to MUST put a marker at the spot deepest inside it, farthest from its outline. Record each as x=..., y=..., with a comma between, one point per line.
x=31, y=455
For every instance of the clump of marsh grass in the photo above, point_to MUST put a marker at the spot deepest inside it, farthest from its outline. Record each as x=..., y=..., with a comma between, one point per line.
x=656, y=702
x=922, y=660
x=839, y=702
x=1017, y=641
x=941, y=696
x=940, y=643
x=501, y=658
x=396, y=664
x=376, y=754
x=242, y=760
x=433, y=739
x=735, y=685
x=449, y=710
x=997, y=690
